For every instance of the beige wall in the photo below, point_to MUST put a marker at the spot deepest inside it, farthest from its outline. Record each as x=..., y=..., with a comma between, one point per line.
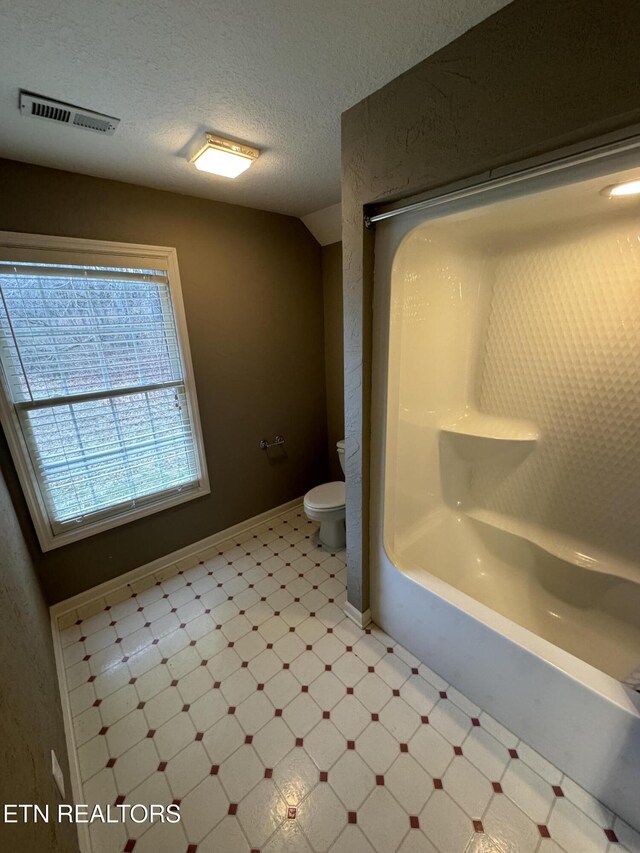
x=30, y=712
x=535, y=76
x=333, y=352
x=253, y=297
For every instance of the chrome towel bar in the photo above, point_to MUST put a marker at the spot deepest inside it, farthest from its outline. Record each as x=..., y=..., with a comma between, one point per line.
x=264, y=444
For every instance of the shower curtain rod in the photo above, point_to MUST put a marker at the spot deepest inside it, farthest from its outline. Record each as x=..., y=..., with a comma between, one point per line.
x=476, y=187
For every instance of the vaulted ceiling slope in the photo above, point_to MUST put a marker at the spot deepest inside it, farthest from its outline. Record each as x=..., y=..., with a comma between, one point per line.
x=274, y=73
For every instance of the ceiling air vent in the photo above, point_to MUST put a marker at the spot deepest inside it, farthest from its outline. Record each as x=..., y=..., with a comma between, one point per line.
x=35, y=106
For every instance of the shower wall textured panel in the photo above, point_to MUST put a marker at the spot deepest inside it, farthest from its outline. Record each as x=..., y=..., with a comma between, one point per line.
x=562, y=349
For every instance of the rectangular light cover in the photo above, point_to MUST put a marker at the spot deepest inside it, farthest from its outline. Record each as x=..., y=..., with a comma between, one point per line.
x=224, y=157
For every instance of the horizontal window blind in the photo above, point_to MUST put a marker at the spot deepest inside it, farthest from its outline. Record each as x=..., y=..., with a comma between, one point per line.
x=92, y=361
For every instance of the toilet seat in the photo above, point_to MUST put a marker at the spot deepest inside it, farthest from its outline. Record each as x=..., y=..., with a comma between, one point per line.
x=327, y=497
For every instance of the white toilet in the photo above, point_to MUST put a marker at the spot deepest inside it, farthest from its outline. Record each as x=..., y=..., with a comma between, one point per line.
x=326, y=504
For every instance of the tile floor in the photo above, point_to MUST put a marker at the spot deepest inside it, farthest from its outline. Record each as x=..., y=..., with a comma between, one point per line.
x=237, y=688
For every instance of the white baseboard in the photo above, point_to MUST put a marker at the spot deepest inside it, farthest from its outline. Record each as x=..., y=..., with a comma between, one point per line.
x=75, y=795
x=361, y=619
x=188, y=552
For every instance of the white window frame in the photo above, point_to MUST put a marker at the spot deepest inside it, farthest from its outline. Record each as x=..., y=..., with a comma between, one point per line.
x=37, y=248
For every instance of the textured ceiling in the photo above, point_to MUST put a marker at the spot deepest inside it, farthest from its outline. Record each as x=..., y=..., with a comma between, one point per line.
x=275, y=73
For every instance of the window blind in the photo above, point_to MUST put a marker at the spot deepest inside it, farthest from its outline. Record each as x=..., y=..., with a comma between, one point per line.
x=92, y=363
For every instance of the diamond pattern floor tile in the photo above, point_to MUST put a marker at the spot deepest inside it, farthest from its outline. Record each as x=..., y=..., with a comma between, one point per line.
x=234, y=685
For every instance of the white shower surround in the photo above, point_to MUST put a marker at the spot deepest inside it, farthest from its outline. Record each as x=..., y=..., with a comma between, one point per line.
x=504, y=550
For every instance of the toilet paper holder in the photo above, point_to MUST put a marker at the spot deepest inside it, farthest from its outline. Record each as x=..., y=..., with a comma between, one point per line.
x=264, y=444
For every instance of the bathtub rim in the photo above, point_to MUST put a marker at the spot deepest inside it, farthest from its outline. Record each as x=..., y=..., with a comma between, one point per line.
x=587, y=675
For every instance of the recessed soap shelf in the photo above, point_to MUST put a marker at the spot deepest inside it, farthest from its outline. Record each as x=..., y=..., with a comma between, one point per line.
x=498, y=429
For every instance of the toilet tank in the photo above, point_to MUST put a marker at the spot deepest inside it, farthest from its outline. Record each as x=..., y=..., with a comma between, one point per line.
x=340, y=446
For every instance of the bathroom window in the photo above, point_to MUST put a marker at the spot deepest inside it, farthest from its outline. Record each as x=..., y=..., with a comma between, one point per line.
x=97, y=401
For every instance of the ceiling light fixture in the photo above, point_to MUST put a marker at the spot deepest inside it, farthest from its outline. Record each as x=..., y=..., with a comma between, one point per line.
x=224, y=157
x=620, y=190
